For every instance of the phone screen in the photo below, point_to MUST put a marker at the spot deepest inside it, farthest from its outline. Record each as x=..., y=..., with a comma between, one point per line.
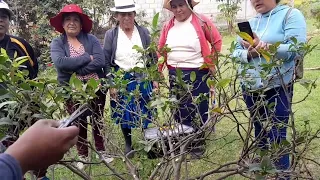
x=245, y=27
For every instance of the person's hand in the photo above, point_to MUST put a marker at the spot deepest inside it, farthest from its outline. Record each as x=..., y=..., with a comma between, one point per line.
x=91, y=57
x=155, y=87
x=114, y=93
x=247, y=45
x=262, y=45
x=212, y=70
x=43, y=144
x=253, y=50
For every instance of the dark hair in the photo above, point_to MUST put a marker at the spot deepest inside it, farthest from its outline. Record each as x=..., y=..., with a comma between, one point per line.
x=277, y=1
x=6, y=12
x=64, y=15
x=189, y=2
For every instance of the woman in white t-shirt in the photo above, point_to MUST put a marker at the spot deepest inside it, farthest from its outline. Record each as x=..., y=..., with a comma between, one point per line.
x=194, y=42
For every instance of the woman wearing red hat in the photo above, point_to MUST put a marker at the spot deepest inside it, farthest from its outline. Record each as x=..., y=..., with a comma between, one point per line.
x=77, y=51
x=194, y=42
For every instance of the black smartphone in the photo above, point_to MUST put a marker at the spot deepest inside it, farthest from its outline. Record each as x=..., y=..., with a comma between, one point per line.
x=245, y=27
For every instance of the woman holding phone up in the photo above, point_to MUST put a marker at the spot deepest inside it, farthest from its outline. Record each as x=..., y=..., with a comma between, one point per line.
x=273, y=23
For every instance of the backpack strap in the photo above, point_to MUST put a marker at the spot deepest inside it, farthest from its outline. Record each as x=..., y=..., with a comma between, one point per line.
x=14, y=40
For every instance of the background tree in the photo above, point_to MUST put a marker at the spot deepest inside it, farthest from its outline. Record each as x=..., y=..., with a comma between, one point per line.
x=229, y=10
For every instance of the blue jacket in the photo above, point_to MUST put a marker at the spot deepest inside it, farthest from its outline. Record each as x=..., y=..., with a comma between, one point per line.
x=82, y=65
x=272, y=27
x=9, y=168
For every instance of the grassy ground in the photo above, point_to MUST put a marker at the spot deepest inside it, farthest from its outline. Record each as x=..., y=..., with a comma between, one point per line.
x=307, y=110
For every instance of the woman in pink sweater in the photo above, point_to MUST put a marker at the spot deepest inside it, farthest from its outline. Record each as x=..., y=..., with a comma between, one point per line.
x=194, y=42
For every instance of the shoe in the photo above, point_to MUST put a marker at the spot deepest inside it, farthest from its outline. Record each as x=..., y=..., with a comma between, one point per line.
x=197, y=152
x=105, y=157
x=81, y=165
x=129, y=152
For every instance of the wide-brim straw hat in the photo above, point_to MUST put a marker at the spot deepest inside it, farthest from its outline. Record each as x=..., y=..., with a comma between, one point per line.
x=124, y=6
x=166, y=3
x=57, y=20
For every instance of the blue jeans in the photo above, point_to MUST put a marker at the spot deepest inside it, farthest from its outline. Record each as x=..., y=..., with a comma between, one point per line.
x=281, y=112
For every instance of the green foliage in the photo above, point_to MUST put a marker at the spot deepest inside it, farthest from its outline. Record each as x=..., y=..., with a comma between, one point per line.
x=24, y=101
x=315, y=11
x=229, y=10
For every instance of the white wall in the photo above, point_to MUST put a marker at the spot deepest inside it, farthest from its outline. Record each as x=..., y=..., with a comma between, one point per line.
x=207, y=7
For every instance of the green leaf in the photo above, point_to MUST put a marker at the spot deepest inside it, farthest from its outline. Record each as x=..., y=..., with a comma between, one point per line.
x=93, y=83
x=15, y=54
x=271, y=105
x=20, y=60
x=138, y=48
x=77, y=83
x=36, y=84
x=3, y=92
x=266, y=55
x=161, y=60
x=193, y=76
x=266, y=163
x=25, y=86
x=7, y=103
x=217, y=110
x=210, y=82
x=4, y=52
x=246, y=37
x=294, y=40
x=204, y=66
x=255, y=167
x=223, y=83
x=7, y=121
x=301, y=140
x=155, y=21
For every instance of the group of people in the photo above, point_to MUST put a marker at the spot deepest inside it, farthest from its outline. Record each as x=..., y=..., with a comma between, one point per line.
x=194, y=44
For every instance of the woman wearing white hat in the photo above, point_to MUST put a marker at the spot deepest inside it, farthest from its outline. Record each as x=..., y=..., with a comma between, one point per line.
x=120, y=55
x=187, y=35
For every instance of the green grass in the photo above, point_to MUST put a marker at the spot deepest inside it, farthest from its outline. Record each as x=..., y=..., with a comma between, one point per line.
x=218, y=154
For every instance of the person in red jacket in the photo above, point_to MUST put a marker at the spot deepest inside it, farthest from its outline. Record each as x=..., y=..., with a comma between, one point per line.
x=194, y=43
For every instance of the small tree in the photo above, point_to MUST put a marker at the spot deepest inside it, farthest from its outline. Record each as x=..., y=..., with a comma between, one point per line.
x=229, y=10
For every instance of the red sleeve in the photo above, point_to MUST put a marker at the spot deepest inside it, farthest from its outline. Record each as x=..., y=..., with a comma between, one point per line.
x=213, y=36
x=162, y=42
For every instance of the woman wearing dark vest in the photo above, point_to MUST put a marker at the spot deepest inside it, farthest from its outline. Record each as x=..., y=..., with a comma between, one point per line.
x=120, y=55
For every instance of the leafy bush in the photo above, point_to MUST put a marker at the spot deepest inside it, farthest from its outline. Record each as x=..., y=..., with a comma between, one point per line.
x=315, y=12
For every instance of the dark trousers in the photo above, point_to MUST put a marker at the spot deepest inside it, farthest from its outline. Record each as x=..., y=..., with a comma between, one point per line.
x=187, y=110
x=276, y=106
x=97, y=110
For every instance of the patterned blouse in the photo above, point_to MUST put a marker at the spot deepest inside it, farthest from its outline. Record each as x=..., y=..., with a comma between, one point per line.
x=78, y=52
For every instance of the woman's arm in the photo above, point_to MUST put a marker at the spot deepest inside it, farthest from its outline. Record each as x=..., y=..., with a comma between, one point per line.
x=98, y=61
x=66, y=63
x=212, y=35
x=240, y=52
x=295, y=26
x=162, y=42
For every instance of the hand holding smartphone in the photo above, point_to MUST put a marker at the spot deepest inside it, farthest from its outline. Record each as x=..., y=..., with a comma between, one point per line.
x=245, y=27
